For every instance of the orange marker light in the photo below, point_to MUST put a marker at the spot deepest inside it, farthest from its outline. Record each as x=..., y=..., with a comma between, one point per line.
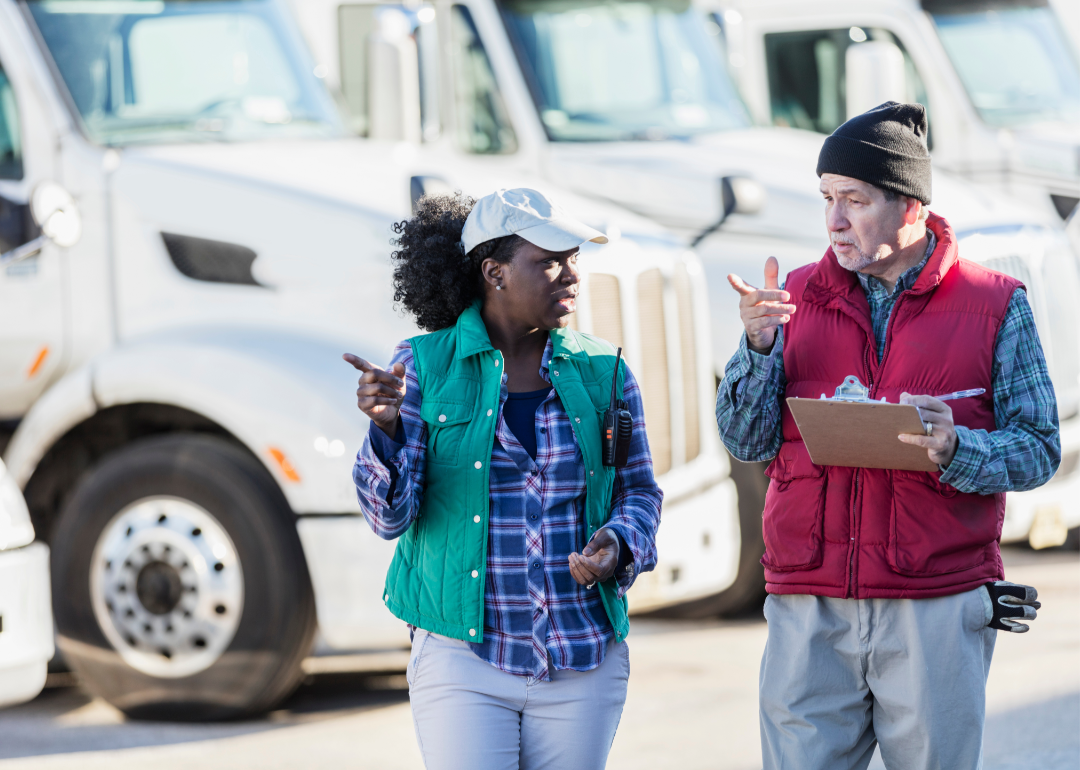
x=36, y=366
x=287, y=469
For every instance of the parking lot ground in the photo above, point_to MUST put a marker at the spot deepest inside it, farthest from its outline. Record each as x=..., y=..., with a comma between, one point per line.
x=692, y=704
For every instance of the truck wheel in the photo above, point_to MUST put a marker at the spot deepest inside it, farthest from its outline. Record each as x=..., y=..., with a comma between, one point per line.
x=180, y=588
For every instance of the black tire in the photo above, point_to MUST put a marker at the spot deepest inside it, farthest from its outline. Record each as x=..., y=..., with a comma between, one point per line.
x=747, y=594
x=261, y=665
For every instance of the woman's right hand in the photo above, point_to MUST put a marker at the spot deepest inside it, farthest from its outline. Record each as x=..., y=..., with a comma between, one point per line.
x=380, y=393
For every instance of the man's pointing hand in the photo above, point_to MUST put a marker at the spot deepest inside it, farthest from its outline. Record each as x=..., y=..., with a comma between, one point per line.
x=762, y=310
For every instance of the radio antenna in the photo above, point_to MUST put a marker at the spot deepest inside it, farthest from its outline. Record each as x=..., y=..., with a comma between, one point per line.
x=615, y=377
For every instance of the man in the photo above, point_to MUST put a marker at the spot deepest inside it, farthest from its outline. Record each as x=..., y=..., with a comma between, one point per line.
x=878, y=609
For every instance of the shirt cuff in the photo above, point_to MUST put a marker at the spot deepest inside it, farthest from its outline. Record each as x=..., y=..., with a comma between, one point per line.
x=386, y=448
x=628, y=565
x=963, y=472
x=759, y=366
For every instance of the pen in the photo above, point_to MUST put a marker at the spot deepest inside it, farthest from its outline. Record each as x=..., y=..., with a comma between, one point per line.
x=961, y=394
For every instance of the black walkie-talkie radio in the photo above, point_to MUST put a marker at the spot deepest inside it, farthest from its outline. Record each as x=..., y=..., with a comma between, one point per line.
x=618, y=426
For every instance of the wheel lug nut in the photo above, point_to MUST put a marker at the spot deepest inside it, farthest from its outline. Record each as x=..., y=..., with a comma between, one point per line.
x=220, y=609
x=162, y=518
x=196, y=532
x=219, y=567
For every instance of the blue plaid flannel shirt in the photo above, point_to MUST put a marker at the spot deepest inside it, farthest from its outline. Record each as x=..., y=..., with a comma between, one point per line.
x=535, y=614
x=1024, y=451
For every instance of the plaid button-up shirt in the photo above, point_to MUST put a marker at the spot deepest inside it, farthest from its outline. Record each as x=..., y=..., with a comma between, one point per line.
x=1024, y=451
x=535, y=614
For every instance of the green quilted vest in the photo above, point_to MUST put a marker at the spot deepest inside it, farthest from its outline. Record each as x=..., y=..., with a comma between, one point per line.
x=436, y=580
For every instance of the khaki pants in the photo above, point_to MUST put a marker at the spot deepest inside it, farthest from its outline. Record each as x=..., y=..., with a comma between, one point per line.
x=841, y=675
x=469, y=715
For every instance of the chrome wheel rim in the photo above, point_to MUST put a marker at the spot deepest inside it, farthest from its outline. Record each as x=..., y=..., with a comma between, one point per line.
x=166, y=586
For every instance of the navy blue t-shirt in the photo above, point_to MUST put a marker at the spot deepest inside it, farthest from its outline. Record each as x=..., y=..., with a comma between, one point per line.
x=519, y=412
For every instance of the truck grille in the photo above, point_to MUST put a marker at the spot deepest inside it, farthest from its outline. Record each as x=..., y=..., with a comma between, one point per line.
x=661, y=348
x=1052, y=296
x=652, y=369
x=684, y=299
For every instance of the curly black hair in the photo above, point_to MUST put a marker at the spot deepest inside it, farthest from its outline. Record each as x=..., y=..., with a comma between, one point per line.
x=433, y=279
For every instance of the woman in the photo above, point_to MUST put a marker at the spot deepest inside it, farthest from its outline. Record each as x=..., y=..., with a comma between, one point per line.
x=492, y=479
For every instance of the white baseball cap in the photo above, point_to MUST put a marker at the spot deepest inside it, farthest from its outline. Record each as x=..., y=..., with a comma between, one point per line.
x=527, y=213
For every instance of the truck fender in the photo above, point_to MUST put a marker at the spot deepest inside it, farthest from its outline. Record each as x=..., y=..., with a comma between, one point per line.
x=288, y=398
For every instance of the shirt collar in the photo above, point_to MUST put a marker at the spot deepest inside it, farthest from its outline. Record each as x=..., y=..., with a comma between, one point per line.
x=907, y=279
x=545, y=361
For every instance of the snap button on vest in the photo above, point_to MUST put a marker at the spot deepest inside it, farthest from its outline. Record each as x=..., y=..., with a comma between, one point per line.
x=442, y=418
x=478, y=465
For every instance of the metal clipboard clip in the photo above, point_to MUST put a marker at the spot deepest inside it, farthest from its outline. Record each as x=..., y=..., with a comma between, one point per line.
x=852, y=390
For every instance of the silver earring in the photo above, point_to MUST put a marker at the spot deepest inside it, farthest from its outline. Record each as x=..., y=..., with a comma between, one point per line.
x=498, y=288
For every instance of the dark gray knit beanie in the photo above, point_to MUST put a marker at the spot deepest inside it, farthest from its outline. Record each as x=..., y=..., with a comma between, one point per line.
x=885, y=146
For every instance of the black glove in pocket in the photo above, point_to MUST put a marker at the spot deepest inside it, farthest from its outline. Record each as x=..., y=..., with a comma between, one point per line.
x=1012, y=602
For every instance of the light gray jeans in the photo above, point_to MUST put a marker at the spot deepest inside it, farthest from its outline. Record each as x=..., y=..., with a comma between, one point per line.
x=469, y=715
x=841, y=675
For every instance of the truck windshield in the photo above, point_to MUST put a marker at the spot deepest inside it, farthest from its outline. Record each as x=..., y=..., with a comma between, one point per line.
x=153, y=71
x=1014, y=62
x=609, y=70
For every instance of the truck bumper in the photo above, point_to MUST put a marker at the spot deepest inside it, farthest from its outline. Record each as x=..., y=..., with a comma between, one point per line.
x=26, y=633
x=1052, y=508
x=697, y=546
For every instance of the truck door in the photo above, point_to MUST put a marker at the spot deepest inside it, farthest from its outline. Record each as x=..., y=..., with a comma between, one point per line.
x=31, y=290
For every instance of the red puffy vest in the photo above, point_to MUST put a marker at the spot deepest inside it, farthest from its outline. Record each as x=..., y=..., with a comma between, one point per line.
x=864, y=533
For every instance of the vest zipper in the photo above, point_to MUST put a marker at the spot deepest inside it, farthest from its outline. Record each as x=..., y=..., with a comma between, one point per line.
x=852, y=588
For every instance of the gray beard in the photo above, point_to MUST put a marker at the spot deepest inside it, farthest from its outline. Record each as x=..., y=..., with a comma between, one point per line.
x=858, y=264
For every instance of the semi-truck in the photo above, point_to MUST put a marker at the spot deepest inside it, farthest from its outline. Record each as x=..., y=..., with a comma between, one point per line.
x=189, y=240
x=1000, y=79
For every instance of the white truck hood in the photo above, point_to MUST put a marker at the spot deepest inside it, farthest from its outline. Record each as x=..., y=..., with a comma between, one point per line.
x=678, y=182
x=318, y=215
x=374, y=177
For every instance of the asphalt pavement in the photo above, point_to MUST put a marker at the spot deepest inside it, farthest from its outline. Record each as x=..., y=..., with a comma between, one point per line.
x=692, y=704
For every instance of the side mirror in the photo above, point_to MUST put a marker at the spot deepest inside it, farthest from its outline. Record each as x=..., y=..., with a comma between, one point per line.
x=875, y=74
x=419, y=186
x=55, y=212
x=394, y=79
x=741, y=195
x=738, y=195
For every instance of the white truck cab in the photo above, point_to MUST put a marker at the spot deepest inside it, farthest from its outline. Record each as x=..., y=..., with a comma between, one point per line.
x=1000, y=79
x=188, y=242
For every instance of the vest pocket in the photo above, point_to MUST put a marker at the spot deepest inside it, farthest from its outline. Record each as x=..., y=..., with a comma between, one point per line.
x=446, y=425
x=793, y=521
x=935, y=529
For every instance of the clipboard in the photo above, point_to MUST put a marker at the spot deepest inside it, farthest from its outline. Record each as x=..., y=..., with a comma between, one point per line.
x=852, y=431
